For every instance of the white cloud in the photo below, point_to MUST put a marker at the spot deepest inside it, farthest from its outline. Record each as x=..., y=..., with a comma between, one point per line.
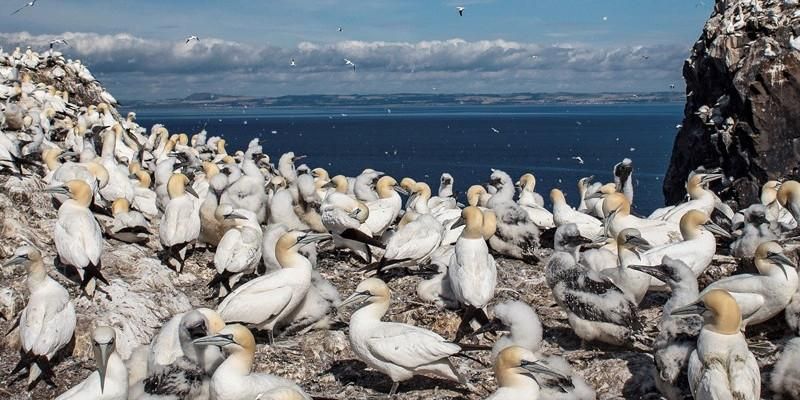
x=134, y=66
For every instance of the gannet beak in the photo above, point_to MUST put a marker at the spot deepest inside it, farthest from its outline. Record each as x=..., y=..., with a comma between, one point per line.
x=101, y=355
x=354, y=214
x=314, y=238
x=782, y=261
x=653, y=270
x=697, y=308
x=711, y=178
x=191, y=191
x=67, y=154
x=538, y=367
x=233, y=215
x=298, y=158
x=716, y=229
x=17, y=260
x=356, y=297
x=215, y=340
x=459, y=222
x=400, y=190
x=329, y=185
x=57, y=189
x=493, y=326
x=578, y=240
x=639, y=243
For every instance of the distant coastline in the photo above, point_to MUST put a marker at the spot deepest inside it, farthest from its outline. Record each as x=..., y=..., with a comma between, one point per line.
x=212, y=100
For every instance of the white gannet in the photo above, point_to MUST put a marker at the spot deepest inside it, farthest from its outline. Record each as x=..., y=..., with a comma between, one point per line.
x=384, y=210
x=110, y=380
x=634, y=283
x=128, y=226
x=478, y=196
x=413, y=241
x=192, y=37
x=533, y=203
x=460, y=10
x=776, y=213
x=721, y=367
x=762, y=296
x=785, y=375
x=28, y=4
x=589, y=227
x=344, y=217
x=348, y=62
x=239, y=251
x=267, y=300
x=518, y=371
x=47, y=322
x=180, y=223
x=702, y=198
x=517, y=236
x=596, y=308
x=145, y=199
x=396, y=349
x=789, y=197
x=676, y=336
x=472, y=271
x=234, y=379
x=617, y=210
x=623, y=178
x=446, y=185
x=78, y=238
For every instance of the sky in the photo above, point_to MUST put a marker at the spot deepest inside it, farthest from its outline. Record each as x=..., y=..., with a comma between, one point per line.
x=137, y=49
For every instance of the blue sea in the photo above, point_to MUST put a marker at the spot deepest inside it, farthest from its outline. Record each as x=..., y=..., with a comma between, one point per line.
x=466, y=141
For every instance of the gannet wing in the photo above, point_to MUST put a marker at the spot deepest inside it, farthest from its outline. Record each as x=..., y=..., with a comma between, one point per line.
x=69, y=249
x=56, y=328
x=271, y=298
x=744, y=375
x=409, y=346
x=414, y=240
x=230, y=255
x=84, y=390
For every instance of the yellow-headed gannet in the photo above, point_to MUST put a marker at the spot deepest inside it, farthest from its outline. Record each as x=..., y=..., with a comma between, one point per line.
x=533, y=203
x=180, y=224
x=239, y=251
x=589, y=227
x=721, y=367
x=617, y=210
x=110, y=380
x=518, y=371
x=702, y=198
x=384, y=210
x=128, y=226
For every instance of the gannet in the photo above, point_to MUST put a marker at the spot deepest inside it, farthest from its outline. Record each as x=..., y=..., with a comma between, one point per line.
x=413, y=242
x=78, y=238
x=167, y=346
x=344, y=217
x=517, y=236
x=28, y=4
x=239, y=251
x=634, y=283
x=477, y=196
x=192, y=37
x=789, y=197
x=446, y=185
x=180, y=223
x=596, y=308
x=756, y=230
x=702, y=199
x=47, y=322
x=623, y=177
x=460, y=10
x=247, y=192
x=348, y=62
x=785, y=375
x=776, y=213
x=697, y=247
x=234, y=379
x=395, y=349
x=617, y=209
x=676, y=336
x=110, y=380
x=128, y=226
x=267, y=300
x=472, y=271
x=589, y=227
x=762, y=296
x=533, y=203
x=119, y=182
x=144, y=198
x=384, y=210
x=517, y=371
x=721, y=367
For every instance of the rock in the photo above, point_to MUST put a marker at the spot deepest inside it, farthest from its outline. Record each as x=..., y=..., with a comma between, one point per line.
x=8, y=303
x=743, y=99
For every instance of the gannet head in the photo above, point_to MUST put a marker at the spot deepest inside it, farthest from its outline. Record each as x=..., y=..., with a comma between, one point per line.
x=568, y=238
x=102, y=107
x=289, y=243
x=104, y=344
x=144, y=179
x=78, y=190
x=195, y=325
x=583, y=183
x=769, y=192
x=719, y=310
x=474, y=194
x=27, y=255
x=277, y=182
x=408, y=184
x=499, y=179
x=221, y=147
x=131, y=116
x=386, y=185
x=756, y=214
x=557, y=197
x=446, y=179
x=527, y=182
x=670, y=271
x=694, y=219
x=232, y=338
x=228, y=160
x=518, y=367
x=120, y=206
x=631, y=239
x=472, y=220
x=134, y=167
x=616, y=204
x=372, y=290
x=421, y=190
x=178, y=185
x=215, y=321
x=183, y=139
x=769, y=255
x=360, y=212
x=489, y=224
x=210, y=169
x=339, y=182
x=788, y=192
x=99, y=172
x=50, y=157
x=320, y=173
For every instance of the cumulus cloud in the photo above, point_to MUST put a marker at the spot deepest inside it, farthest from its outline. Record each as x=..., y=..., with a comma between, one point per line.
x=452, y=65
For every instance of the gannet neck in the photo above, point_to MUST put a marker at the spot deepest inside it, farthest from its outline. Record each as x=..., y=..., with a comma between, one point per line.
x=474, y=223
x=557, y=197
x=474, y=194
x=690, y=224
x=109, y=146
x=726, y=316
x=144, y=179
x=36, y=273
x=385, y=187
x=489, y=224
x=120, y=206
x=769, y=192
x=617, y=202
x=80, y=192
x=510, y=374
x=50, y=158
x=372, y=312
x=176, y=185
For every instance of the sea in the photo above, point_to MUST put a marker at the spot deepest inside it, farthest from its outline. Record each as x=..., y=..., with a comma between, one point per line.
x=559, y=144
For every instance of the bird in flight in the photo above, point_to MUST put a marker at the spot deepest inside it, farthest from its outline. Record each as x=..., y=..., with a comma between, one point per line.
x=340, y=29
x=645, y=57
x=460, y=10
x=293, y=63
x=348, y=62
x=190, y=38
x=495, y=130
x=58, y=41
x=28, y=4
x=672, y=86
x=578, y=159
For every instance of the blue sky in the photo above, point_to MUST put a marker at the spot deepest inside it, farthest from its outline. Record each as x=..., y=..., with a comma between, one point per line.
x=498, y=46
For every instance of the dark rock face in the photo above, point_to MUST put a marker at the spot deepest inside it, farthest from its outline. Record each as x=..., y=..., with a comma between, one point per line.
x=742, y=109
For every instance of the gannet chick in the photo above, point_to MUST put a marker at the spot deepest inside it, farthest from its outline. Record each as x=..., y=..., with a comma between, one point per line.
x=785, y=376
x=47, y=322
x=395, y=349
x=78, y=238
x=721, y=367
x=128, y=226
x=180, y=224
x=517, y=236
x=756, y=231
x=623, y=178
x=518, y=371
x=166, y=347
x=110, y=380
x=472, y=271
x=762, y=296
x=276, y=294
x=364, y=184
x=384, y=210
x=446, y=185
x=239, y=251
x=234, y=379
x=312, y=312
x=596, y=308
x=676, y=337
x=589, y=227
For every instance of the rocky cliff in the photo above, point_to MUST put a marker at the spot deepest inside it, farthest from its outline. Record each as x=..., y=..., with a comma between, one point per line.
x=742, y=109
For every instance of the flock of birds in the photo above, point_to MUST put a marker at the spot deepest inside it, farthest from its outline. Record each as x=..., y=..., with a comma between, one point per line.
x=111, y=179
